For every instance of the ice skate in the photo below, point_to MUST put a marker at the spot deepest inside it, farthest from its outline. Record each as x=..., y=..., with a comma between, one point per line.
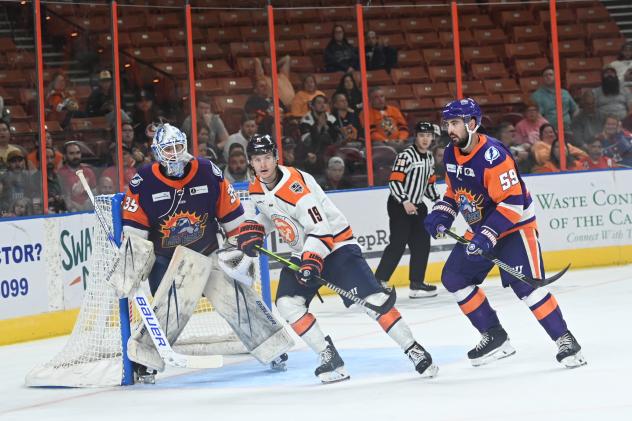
x=144, y=375
x=494, y=345
x=569, y=351
x=422, y=290
x=279, y=363
x=332, y=368
x=422, y=360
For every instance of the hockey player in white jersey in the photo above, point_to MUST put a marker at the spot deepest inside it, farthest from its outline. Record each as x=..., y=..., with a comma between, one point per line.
x=292, y=203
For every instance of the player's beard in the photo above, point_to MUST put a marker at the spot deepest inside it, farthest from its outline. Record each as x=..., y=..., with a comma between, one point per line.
x=460, y=142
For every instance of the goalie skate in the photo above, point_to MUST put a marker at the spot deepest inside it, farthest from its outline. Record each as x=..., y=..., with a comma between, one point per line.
x=279, y=363
x=422, y=360
x=569, y=351
x=144, y=375
x=332, y=368
x=494, y=345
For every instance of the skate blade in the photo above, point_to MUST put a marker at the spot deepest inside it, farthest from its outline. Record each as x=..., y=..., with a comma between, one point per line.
x=278, y=366
x=574, y=361
x=430, y=372
x=338, y=375
x=503, y=351
x=146, y=379
x=414, y=294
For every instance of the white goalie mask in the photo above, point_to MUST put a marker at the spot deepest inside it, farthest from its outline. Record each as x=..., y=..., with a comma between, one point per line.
x=170, y=149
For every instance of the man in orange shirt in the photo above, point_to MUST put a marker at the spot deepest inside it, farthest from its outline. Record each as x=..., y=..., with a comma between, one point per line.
x=387, y=123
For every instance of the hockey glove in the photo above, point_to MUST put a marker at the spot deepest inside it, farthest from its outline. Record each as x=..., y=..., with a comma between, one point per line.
x=482, y=243
x=251, y=234
x=440, y=219
x=311, y=266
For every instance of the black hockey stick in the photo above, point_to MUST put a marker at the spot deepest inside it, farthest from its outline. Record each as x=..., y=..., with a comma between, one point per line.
x=384, y=308
x=535, y=283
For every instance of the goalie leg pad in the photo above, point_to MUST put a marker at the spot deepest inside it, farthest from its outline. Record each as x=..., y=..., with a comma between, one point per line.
x=174, y=302
x=136, y=258
x=263, y=334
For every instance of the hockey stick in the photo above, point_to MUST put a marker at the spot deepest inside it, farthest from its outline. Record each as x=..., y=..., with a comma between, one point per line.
x=158, y=337
x=535, y=283
x=384, y=308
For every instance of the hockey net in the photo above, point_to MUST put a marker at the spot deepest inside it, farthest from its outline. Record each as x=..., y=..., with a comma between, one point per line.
x=93, y=355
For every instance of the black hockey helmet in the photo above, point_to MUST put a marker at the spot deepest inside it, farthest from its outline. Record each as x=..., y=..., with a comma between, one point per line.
x=425, y=127
x=260, y=144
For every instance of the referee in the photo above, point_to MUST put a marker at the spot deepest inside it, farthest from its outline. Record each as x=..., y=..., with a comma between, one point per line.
x=412, y=179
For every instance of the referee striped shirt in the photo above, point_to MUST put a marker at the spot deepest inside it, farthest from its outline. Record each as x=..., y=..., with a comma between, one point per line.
x=413, y=177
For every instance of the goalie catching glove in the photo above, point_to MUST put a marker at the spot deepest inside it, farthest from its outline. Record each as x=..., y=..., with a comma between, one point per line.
x=251, y=234
x=311, y=267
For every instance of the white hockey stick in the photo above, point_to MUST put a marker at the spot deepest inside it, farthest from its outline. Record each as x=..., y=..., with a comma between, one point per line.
x=158, y=337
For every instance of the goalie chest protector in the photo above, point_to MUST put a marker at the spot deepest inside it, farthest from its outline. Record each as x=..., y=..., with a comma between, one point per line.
x=181, y=212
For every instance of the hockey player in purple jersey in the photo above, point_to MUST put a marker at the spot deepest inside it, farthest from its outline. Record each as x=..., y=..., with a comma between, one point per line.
x=484, y=184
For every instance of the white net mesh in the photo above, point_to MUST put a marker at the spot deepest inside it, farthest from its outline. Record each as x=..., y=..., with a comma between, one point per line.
x=92, y=357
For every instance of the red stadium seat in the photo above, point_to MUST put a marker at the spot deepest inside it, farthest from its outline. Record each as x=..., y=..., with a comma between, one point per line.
x=564, y=17
x=530, y=84
x=476, y=22
x=328, y=80
x=440, y=22
x=148, y=39
x=408, y=58
x=230, y=102
x=93, y=24
x=17, y=112
x=575, y=81
x=21, y=128
x=490, y=100
x=175, y=69
x=501, y=86
x=293, y=31
x=429, y=90
x=483, y=71
x=213, y=68
x=245, y=65
x=422, y=40
x=172, y=53
x=21, y=59
x=318, y=29
x=399, y=92
x=469, y=87
x=465, y=38
x=314, y=45
x=302, y=64
x=582, y=64
x=570, y=31
x=235, y=18
x=528, y=33
x=235, y=85
x=207, y=51
x=602, y=30
x=287, y=46
x=595, y=13
x=179, y=36
x=531, y=66
x=479, y=54
x=13, y=78
x=204, y=19
x=129, y=23
x=166, y=20
x=441, y=73
x=518, y=98
x=572, y=48
x=490, y=36
x=604, y=47
x=90, y=123
x=254, y=33
x=416, y=24
x=394, y=40
x=416, y=105
x=223, y=35
x=331, y=14
x=251, y=49
x=377, y=78
x=7, y=44
x=207, y=86
x=301, y=15
x=525, y=50
x=383, y=26
x=511, y=18
x=438, y=56
x=409, y=75
x=144, y=53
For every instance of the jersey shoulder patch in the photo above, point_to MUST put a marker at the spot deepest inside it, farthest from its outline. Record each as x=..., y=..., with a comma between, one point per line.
x=294, y=188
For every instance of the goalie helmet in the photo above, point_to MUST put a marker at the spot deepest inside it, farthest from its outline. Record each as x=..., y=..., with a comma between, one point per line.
x=261, y=145
x=170, y=149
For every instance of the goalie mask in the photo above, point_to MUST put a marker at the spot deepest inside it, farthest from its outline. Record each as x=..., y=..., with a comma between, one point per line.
x=170, y=149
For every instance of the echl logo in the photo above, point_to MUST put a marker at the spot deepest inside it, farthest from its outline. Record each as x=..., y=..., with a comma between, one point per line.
x=470, y=205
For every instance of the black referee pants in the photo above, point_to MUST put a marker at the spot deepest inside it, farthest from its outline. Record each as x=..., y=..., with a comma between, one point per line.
x=405, y=230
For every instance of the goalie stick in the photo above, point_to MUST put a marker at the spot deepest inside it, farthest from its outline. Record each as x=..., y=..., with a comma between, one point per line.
x=535, y=283
x=158, y=337
x=384, y=308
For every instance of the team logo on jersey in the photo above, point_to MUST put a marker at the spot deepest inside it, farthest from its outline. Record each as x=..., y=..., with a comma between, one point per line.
x=296, y=187
x=286, y=228
x=183, y=228
x=470, y=205
x=136, y=180
x=492, y=154
x=216, y=170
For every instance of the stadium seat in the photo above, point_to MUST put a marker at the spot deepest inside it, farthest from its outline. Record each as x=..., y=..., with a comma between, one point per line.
x=148, y=39
x=172, y=53
x=208, y=50
x=528, y=33
x=52, y=126
x=301, y=15
x=430, y=90
x=409, y=75
x=483, y=71
x=416, y=24
x=230, y=102
x=377, y=78
x=572, y=48
x=251, y=49
x=564, y=17
x=318, y=29
x=235, y=85
x=20, y=59
x=491, y=36
x=465, y=38
x=335, y=14
x=165, y=20
x=409, y=58
x=416, y=105
x=384, y=26
x=578, y=80
x=204, y=19
x=441, y=73
x=440, y=101
x=394, y=40
x=531, y=66
x=479, y=54
x=90, y=124
x=254, y=33
x=518, y=98
x=302, y=64
x=595, y=13
x=523, y=50
x=399, y=91
x=490, y=100
x=7, y=44
x=328, y=80
x=474, y=22
x=13, y=78
x=582, y=64
x=92, y=24
x=435, y=57
x=207, y=86
x=223, y=35
x=17, y=112
x=469, y=87
x=213, y=68
x=604, y=47
x=244, y=65
x=129, y=23
x=147, y=54
x=570, y=31
x=179, y=36
x=20, y=128
x=287, y=46
x=530, y=84
x=235, y=18
x=602, y=30
x=501, y=86
x=511, y=18
x=422, y=40
x=175, y=69
x=314, y=45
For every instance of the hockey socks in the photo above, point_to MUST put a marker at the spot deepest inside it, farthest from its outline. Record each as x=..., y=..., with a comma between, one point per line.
x=475, y=305
x=308, y=329
x=544, y=307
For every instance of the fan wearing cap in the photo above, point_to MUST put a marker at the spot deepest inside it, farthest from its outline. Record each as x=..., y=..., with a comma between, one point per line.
x=100, y=100
x=411, y=180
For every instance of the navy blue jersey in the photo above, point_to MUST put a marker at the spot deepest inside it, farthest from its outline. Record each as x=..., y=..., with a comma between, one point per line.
x=182, y=212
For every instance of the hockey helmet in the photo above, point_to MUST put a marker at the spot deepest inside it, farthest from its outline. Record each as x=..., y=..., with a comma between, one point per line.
x=261, y=145
x=465, y=108
x=426, y=127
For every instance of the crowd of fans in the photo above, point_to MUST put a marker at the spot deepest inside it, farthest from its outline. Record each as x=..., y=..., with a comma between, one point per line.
x=321, y=134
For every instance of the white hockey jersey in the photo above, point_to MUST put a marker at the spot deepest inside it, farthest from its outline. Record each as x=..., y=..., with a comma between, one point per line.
x=301, y=212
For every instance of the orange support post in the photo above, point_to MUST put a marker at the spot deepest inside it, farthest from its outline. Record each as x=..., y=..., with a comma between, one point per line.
x=117, y=96
x=365, y=94
x=191, y=71
x=275, y=82
x=37, y=19
x=558, y=84
x=456, y=44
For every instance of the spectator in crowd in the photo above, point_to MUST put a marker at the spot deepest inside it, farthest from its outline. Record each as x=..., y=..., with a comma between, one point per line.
x=506, y=133
x=349, y=87
x=335, y=175
x=623, y=64
x=528, y=129
x=300, y=103
x=106, y=185
x=596, y=159
x=5, y=146
x=347, y=120
x=100, y=101
x=318, y=132
x=289, y=155
x=145, y=112
x=218, y=135
x=379, y=55
x=340, y=55
x=18, y=179
x=22, y=207
x=247, y=130
x=387, y=124
x=617, y=142
x=260, y=106
x=56, y=202
x=33, y=156
x=74, y=195
x=553, y=163
x=439, y=168
x=5, y=115
x=544, y=97
x=587, y=123
x=541, y=150
x=129, y=165
x=62, y=106
x=286, y=90
x=5, y=201
x=237, y=169
x=209, y=153
x=612, y=98
x=138, y=149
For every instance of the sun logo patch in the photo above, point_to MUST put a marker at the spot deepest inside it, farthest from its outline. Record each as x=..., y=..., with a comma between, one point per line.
x=287, y=229
x=183, y=228
x=470, y=205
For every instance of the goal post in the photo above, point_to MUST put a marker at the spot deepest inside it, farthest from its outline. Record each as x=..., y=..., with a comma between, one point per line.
x=95, y=354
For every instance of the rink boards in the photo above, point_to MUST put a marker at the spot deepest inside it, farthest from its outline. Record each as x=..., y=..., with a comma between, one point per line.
x=584, y=219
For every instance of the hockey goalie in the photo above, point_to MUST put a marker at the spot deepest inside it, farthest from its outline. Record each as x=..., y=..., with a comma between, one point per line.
x=172, y=212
